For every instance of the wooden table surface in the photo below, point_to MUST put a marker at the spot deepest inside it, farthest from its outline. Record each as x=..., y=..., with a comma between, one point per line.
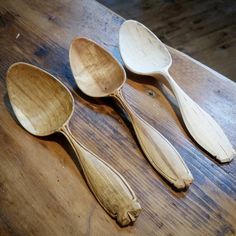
x=42, y=190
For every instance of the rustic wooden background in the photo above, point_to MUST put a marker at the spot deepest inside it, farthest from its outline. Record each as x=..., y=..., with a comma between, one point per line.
x=204, y=29
x=42, y=191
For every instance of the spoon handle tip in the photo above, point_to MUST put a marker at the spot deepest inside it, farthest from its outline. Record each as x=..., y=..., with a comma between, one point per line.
x=162, y=155
x=109, y=187
x=202, y=127
x=226, y=159
x=158, y=150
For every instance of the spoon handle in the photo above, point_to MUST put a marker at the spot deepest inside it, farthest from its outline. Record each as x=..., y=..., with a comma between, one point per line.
x=109, y=187
x=159, y=151
x=202, y=127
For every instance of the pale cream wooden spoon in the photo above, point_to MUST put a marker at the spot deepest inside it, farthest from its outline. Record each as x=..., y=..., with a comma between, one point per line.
x=43, y=106
x=98, y=74
x=143, y=53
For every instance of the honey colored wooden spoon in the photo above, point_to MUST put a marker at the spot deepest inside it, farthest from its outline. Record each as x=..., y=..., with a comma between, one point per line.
x=43, y=106
x=98, y=74
x=143, y=53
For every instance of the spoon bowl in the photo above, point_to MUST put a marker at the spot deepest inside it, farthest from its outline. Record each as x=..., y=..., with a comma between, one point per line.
x=43, y=105
x=98, y=74
x=143, y=61
x=94, y=80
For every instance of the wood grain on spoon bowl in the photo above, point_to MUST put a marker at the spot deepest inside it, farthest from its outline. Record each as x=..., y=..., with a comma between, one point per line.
x=43, y=105
x=98, y=74
x=143, y=53
x=94, y=80
x=147, y=55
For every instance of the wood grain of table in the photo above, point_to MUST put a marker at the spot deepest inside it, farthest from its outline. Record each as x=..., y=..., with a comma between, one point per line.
x=42, y=189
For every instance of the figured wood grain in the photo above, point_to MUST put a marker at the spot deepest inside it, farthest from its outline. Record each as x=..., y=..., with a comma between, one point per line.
x=42, y=191
x=44, y=106
x=143, y=53
x=98, y=74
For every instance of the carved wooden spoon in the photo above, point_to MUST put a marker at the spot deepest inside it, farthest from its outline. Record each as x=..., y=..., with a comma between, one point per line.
x=43, y=106
x=98, y=74
x=143, y=53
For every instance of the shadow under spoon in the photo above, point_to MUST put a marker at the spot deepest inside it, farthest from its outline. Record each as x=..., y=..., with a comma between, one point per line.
x=98, y=74
x=143, y=53
x=43, y=106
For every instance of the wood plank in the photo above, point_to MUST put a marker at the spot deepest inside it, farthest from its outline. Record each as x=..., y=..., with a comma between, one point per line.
x=42, y=189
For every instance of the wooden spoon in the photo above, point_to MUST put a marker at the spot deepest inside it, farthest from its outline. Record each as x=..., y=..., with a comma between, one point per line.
x=143, y=53
x=43, y=106
x=98, y=74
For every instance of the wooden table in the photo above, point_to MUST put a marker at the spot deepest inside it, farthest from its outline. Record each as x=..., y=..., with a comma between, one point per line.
x=42, y=190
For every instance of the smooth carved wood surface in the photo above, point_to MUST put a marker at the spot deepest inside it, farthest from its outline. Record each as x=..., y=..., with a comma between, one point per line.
x=202, y=126
x=44, y=106
x=41, y=104
x=110, y=188
x=143, y=53
x=42, y=191
x=97, y=73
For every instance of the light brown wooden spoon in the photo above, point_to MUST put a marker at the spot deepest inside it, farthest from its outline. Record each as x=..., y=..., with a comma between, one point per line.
x=98, y=74
x=43, y=106
x=143, y=53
